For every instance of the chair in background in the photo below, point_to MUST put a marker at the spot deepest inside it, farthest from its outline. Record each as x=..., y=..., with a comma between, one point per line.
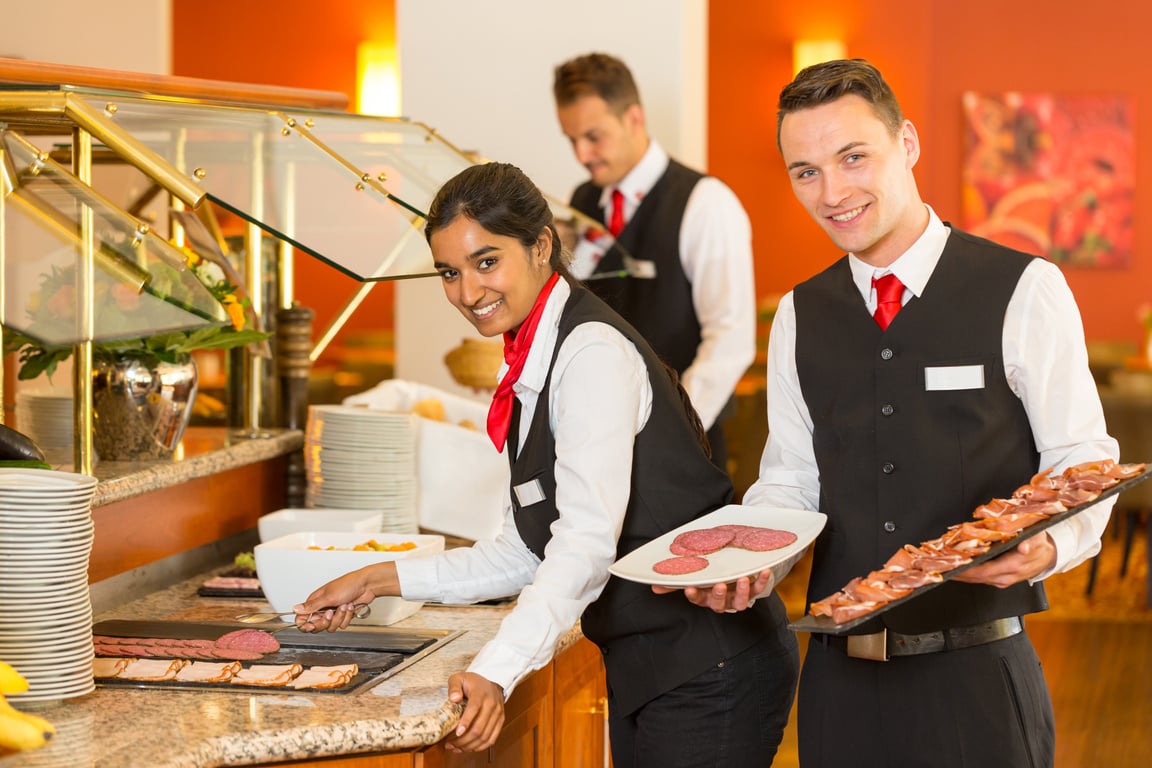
x=1108, y=355
x=1128, y=413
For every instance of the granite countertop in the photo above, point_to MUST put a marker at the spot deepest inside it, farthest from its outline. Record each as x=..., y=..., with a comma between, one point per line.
x=155, y=728
x=203, y=451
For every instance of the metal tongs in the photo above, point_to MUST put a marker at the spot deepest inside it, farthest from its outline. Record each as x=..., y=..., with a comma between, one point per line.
x=359, y=610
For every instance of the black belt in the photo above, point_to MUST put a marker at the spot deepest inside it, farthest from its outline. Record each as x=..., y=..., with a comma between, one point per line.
x=882, y=645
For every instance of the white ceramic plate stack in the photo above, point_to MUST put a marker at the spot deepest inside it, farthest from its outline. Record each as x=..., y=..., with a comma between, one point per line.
x=45, y=542
x=356, y=458
x=45, y=415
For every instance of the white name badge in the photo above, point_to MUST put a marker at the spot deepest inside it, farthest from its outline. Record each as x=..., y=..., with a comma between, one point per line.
x=950, y=377
x=529, y=493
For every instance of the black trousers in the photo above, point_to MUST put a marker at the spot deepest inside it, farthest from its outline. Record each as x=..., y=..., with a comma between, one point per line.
x=732, y=716
x=981, y=707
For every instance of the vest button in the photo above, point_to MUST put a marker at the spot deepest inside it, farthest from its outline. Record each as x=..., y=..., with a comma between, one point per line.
x=889, y=526
x=888, y=468
x=887, y=354
x=887, y=409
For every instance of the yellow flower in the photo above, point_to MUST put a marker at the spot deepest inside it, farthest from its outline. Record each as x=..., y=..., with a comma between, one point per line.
x=191, y=258
x=235, y=310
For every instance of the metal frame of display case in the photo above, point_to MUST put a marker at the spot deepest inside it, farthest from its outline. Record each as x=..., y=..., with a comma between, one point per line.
x=350, y=190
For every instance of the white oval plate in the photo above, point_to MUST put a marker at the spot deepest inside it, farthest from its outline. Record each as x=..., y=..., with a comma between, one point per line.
x=727, y=564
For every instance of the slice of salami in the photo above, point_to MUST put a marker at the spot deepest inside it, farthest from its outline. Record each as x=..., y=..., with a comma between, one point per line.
x=678, y=566
x=249, y=640
x=762, y=539
x=113, y=649
x=143, y=651
x=197, y=652
x=700, y=542
x=735, y=528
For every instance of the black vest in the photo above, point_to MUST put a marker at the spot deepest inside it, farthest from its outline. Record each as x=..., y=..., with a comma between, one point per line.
x=660, y=309
x=899, y=464
x=651, y=643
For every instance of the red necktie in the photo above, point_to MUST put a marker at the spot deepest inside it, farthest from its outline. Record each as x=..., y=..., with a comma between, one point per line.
x=616, y=223
x=889, y=292
x=515, y=353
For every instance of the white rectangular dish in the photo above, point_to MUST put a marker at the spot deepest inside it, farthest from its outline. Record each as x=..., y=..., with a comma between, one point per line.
x=289, y=570
x=299, y=519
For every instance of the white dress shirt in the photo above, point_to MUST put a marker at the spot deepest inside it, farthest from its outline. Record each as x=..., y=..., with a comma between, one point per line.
x=716, y=254
x=600, y=399
x=1045, y=362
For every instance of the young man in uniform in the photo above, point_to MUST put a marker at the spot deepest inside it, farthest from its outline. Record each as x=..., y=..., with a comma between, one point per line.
x=690, y=289
x=922, y=374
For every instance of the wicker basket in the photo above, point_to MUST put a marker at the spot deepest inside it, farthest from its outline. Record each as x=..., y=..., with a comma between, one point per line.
x=475, y=363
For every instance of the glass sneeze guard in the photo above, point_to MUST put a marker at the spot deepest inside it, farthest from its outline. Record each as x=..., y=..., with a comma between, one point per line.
x=140, y=283
x=350, y=190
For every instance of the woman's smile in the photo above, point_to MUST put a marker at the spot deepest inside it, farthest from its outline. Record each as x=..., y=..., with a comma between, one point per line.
x=484, y=311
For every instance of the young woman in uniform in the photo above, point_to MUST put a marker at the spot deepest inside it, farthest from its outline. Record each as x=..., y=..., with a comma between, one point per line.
x=605, y=455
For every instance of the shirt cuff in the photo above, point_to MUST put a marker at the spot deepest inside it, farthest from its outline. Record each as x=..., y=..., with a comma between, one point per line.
x=500, y=665
x=418, y=578
x=1064, y=537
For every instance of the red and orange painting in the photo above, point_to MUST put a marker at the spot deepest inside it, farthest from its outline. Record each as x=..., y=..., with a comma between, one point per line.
x=1051, y=175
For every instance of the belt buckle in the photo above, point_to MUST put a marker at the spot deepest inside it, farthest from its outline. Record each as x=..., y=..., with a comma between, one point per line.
x=873, y=647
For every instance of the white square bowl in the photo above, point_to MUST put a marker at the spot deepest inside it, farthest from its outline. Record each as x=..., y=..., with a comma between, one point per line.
x=289, y=571
x=297, y=520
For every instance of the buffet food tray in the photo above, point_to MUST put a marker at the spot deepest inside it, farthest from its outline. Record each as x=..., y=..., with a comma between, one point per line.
x=825, y=625
x=379, y=652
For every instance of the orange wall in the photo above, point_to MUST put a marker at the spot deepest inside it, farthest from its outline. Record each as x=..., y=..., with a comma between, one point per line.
x=930, y=52
x=301, y=44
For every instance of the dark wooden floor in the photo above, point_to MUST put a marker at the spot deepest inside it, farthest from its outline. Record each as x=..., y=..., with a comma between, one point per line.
x=1097, y=655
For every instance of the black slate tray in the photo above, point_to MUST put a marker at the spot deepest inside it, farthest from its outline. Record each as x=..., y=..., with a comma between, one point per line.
x=379, y=652
x=246, y=593
x=369, y=639
x=825, y=625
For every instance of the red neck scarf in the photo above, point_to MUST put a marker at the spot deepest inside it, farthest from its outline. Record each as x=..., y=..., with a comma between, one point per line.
x=515, y=353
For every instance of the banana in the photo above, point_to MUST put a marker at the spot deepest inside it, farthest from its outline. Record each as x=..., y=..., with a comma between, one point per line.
x=11, y=681
x=22, y=730
x=20, y=735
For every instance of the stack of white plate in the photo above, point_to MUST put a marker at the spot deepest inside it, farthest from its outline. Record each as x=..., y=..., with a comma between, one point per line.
x=45, y=415
x=45, y=607
x=356, y=458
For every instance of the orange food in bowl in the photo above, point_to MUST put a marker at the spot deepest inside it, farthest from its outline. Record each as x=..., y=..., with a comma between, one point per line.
x=370, y=546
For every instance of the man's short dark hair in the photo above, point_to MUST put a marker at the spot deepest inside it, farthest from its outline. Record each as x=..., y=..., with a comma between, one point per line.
x=831, y=80
x=595, y=74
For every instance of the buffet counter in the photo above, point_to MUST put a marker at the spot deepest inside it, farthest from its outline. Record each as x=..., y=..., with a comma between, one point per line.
x=121, y=727
x=163, y=528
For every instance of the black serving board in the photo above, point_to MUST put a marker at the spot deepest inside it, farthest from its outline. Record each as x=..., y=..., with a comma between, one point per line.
x=249, y=593
x=379, y=652
x=376, y=640
x=379, y=663
x=256, y=593
x=244, y=594
x=825, y=625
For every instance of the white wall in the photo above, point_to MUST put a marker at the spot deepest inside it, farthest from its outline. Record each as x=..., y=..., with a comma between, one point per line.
x=131, y=35
x=481, y=74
